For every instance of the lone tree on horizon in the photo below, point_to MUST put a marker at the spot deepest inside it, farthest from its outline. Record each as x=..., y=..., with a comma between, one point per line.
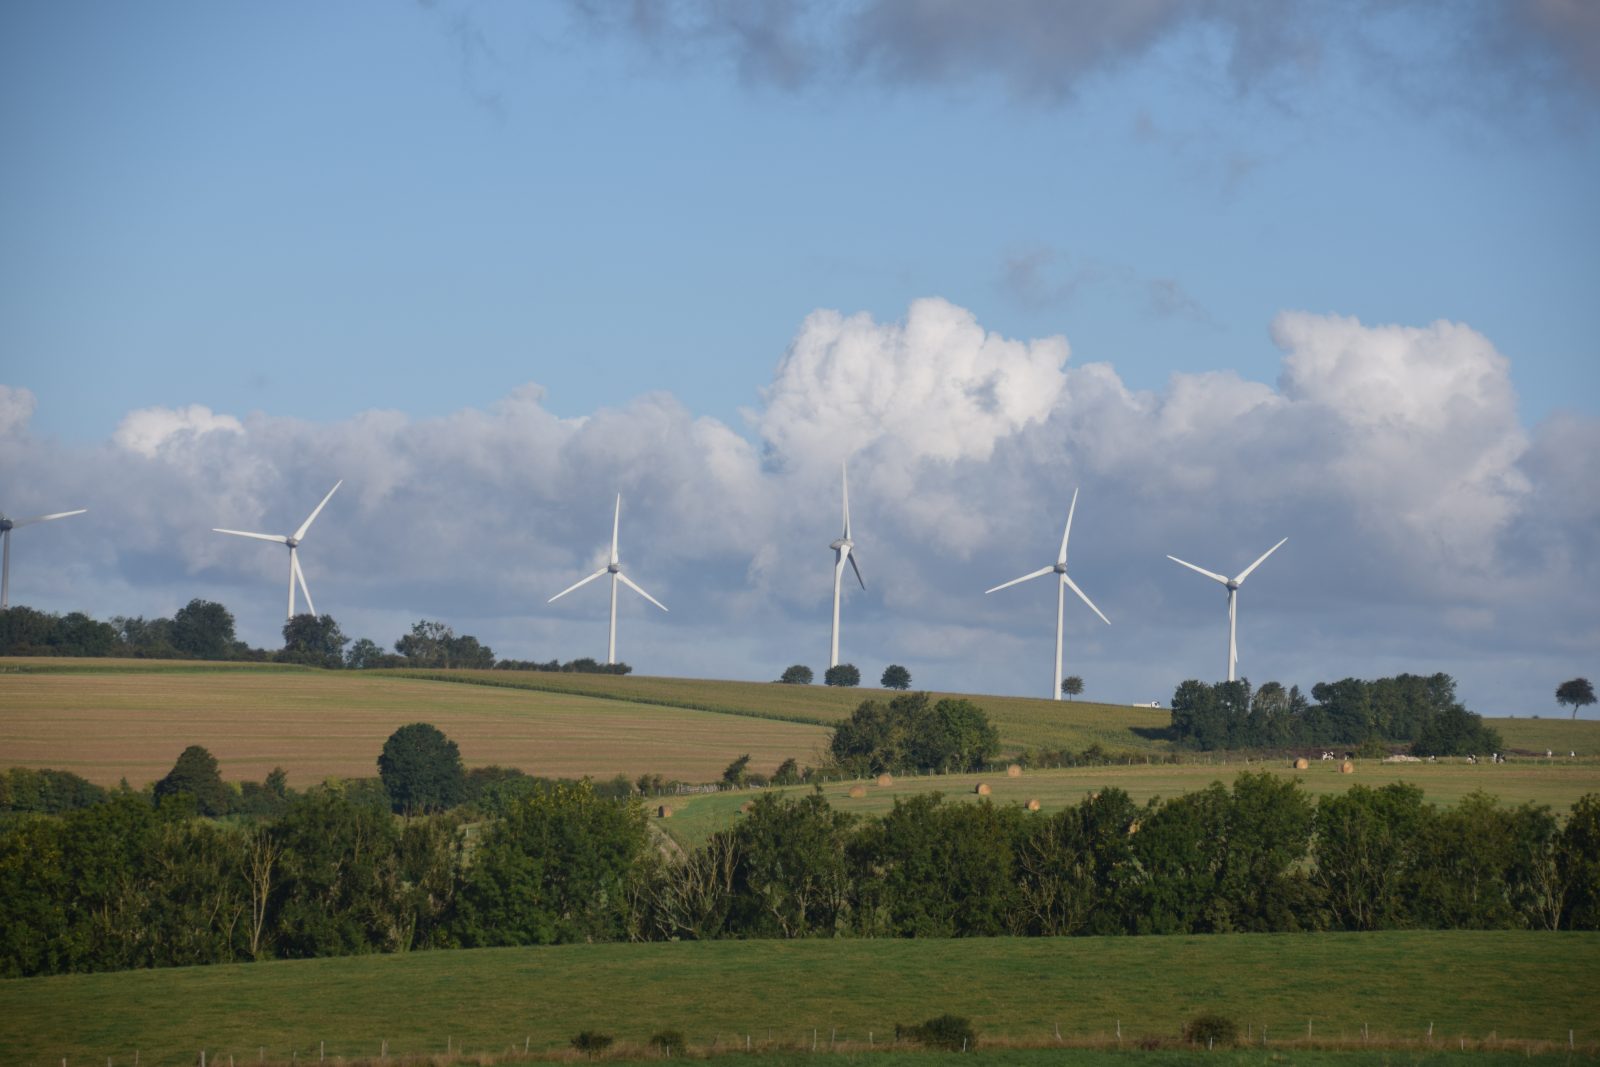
x=799, y=674
x=845, y=674
x=1578, y=692
x=895, y=677
x=1072, y=685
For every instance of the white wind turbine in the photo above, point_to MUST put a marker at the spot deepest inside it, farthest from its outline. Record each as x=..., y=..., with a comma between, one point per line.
x=293, y=541
x=1066, y=582
x=842, y=549
x=6, y=526
x=614, y=568
x=1233, y=592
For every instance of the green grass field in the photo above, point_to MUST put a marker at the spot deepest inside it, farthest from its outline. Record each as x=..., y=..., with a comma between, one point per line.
x=1559, y=736
x=1557, y=783
x=1466, y=984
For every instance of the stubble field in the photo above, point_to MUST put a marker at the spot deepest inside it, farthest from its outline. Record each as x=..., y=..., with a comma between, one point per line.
x=133, y=723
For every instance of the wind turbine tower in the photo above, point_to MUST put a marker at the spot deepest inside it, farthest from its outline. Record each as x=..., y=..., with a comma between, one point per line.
x=1233, y=585
x=6, y=526
x=1066, y=582
x=293, y=541
x=613, y=568
x=842, y=550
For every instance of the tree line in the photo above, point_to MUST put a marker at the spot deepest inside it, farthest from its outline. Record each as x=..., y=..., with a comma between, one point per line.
x=138, y=882
x=1409, y=709
x=204, y=629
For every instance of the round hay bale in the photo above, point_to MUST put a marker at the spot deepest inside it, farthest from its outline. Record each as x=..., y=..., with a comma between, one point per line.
x=747, y=807
x=664, y=812
x=982, y=789
x=1301, y=764
x=886, y=779
x=1095, y=795
x=1033, y=804
x=1014, y=771
x=1347, y=767
x=858, y=791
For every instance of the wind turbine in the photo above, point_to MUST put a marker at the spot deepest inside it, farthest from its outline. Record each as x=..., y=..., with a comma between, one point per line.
x=293, y=541
x=1233, y=591
x=614, y=568
x=842, y=549
x=6, y=526
x=1066, y=582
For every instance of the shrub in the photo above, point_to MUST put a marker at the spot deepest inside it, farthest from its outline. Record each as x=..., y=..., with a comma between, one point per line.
x=1211, y=1028
x=799, y=674
x=668, y=1042
x=591, y=1042
x=845, y=674
x=953, y=1032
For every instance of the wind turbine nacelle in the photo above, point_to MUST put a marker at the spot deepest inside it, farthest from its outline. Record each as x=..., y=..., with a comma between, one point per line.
x=842, y=543
x=292, y=542
x=614, y=568
x=5, y=524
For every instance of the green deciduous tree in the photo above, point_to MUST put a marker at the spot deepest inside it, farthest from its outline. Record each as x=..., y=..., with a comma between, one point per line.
x=195, y=775
x=913, y=732
x=421, y=768
x=844, y=674
x=791, y=878
x=799, y=674
x=1072, y=685
x=556, y=868
x=313, y=640
x=1578, y=693
x=203, y=629
x=895, y=677
x=735, y=773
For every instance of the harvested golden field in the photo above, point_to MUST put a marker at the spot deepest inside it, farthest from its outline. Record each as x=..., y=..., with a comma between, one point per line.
x=107, y=725
x=1023, y=722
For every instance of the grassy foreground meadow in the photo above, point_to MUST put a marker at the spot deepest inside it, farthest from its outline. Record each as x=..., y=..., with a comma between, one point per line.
x=1466, y=985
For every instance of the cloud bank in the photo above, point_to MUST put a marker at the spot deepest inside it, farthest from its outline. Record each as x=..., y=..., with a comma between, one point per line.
x=1429, y=530
x=1480, y=51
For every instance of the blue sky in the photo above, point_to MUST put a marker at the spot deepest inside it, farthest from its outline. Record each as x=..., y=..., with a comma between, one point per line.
x=236, y=233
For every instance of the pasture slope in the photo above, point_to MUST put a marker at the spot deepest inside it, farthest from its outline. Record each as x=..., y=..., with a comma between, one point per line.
x=1555, y=783
x=1468, y=986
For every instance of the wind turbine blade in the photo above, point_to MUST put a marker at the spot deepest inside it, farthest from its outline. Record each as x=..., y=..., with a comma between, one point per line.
x=625, y=580
x=1084, y=597
x=1246, y=572
x=277, y=539
x=1201, y=570
x=1061, y=557
x=844, y=484
x=1042, y=571
x=570, y=588
x=294, y=559
x=853, y=566
x=46, y=518
x=616, y=525
x=304, y=526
